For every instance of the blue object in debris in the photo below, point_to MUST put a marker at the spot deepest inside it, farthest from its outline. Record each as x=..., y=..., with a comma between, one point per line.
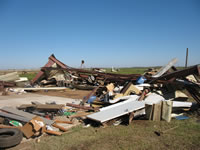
x=181, y=117
x=91, y=99
x=141, y=80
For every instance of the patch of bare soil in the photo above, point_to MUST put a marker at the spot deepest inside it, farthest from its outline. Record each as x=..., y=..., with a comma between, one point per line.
x=68, y=93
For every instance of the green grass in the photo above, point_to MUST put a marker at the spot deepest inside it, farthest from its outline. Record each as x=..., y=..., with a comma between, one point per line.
x=135, y=70
x=29, y=75
x=129, y=70
x=138, y=136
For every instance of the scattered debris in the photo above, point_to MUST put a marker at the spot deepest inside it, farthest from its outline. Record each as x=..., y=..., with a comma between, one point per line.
x=114, y=98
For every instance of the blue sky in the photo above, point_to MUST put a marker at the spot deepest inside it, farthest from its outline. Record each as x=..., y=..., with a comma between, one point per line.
x=104, y=33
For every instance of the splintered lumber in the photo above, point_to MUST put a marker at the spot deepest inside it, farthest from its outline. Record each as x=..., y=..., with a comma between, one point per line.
x=53, y=132
x=117, y=110
x=25, y=116
x=62, y=121
x=81, y=107
x=59, y=127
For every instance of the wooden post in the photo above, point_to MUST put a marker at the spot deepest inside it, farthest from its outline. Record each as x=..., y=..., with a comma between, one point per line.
x=186, y=59
x=131, y=116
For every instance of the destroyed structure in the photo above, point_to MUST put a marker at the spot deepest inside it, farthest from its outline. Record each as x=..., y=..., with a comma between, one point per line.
x=114, y=97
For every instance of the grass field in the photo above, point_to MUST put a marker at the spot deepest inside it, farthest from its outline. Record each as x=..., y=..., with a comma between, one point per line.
x=129, y=70
x=136, y=70
x=31, y=75
x=137, y=136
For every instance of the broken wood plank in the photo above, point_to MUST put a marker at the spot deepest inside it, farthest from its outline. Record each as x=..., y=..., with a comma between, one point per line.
x=62, y=121
x=50, y=106
x=53, y=132
x=59, y=127
x=167, y=110
x=157, y=111
x=81, y=107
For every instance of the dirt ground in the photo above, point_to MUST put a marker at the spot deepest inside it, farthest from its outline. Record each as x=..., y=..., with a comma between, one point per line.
x=139, y=135
x=60, y=97
x=68, y=93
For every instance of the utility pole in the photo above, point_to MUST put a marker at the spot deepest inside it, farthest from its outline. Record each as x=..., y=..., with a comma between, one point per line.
x=186, y=59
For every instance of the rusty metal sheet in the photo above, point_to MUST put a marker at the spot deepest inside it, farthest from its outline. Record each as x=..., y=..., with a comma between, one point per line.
x=178, y=74
x=51, y=61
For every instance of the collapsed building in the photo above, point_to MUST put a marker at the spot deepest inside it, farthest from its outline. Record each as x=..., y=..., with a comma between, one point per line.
x=113, y=97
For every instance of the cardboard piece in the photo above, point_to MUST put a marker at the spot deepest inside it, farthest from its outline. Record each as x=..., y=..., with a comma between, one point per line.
x=33, y=126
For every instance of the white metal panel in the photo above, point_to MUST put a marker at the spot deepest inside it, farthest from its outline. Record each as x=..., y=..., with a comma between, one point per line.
x=117, y=110
x=123, y=98
x=181, y=104
x=165, y=68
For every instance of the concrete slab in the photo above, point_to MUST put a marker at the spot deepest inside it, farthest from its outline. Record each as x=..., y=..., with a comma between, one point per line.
x=14, y=100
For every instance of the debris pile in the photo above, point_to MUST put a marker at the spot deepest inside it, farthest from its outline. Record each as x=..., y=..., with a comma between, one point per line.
x=114, y=98
x=57, y=73
x=32, y=121
x=156, y=95
x=10, y=80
